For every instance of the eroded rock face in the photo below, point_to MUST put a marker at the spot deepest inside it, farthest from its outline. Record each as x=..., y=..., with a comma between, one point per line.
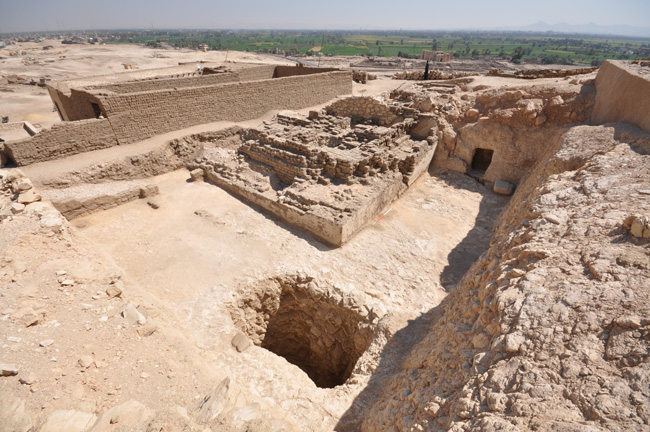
x=516, y=124
x=618, y=84
x=549, y=329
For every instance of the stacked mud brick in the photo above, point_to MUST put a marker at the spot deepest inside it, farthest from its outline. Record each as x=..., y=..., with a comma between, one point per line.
x=328, y=174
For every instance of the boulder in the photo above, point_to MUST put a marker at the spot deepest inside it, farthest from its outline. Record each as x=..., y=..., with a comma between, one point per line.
x=8, y=370
x=28, y=197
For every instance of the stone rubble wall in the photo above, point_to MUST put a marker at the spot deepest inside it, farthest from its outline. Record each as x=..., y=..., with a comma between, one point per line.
x=308, y=322
x=362, y=77
x=622, y=94
x=320, y=173
x=518, y=125
x=435, y=74
x=541, y=73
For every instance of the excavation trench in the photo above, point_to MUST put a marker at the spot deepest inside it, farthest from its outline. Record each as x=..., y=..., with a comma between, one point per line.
x=311, y=325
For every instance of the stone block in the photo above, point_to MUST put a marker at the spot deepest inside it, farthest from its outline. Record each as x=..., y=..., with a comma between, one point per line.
x=503, y=187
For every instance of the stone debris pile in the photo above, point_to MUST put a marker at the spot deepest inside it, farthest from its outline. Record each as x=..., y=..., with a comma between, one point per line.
x=19, y=198
x=541, y=73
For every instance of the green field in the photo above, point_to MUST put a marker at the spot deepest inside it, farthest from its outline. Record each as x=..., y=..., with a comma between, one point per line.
x=527, y=47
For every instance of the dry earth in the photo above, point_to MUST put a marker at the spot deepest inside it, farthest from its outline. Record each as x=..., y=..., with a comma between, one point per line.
x=442, y=315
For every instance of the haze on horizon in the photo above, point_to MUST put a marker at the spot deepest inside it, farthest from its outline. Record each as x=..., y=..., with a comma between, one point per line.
x=65, y=15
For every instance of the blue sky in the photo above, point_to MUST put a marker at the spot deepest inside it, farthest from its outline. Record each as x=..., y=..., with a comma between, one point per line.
x=40, y=15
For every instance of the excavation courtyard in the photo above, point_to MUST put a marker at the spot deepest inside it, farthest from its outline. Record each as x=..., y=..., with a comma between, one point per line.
x=228, y=241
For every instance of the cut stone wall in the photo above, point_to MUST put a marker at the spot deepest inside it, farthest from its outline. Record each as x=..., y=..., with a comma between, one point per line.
x=622, y=94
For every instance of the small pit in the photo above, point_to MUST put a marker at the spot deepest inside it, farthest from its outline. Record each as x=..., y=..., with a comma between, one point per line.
x=311, y=325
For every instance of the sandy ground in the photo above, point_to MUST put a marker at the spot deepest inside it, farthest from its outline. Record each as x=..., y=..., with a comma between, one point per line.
x=400, y=258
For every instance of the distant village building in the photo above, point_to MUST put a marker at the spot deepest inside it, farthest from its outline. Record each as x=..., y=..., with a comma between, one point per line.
x=436, y=56
x=203, y=47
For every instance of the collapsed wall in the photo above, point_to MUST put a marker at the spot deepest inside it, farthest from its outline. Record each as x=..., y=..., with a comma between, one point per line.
x=496, y=132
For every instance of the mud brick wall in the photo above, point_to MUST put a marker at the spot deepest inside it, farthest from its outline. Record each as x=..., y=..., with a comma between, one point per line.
x=77, y=106
x=248, y=74
x=364, y=107
x=63, y=139
x=137, y=116
x=288, y=71
x=141, y=115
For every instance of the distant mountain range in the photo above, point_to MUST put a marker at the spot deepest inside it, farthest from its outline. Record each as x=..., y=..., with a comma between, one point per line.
x=591, y=28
